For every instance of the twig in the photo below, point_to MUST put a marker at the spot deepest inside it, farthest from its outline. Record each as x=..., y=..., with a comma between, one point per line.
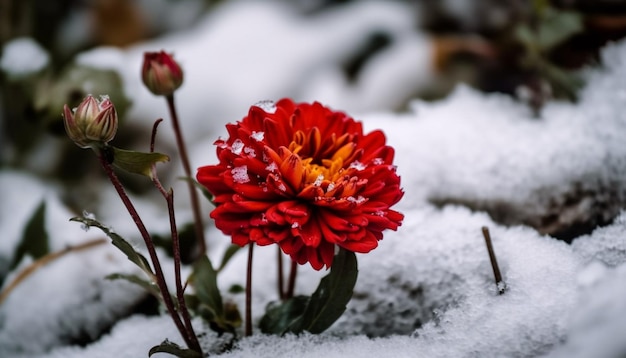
x=44, y=260
x=500, y=285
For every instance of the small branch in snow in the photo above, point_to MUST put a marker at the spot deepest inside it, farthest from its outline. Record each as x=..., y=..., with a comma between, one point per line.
x=500, y=285
x=30, y=269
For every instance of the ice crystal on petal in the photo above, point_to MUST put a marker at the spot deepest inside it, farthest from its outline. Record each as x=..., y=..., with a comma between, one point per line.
x=358, y=200
x=357, y=165
x=267, y=105
x=319, y=180
x=237, y=146
x=240, y=174
x=258, y=136
x=249, y=151
x=271, y=167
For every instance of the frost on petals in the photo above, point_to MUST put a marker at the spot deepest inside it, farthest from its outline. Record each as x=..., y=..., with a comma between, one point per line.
x=306, y=178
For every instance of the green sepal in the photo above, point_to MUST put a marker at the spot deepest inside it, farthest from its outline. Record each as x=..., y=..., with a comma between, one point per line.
x=137, y=162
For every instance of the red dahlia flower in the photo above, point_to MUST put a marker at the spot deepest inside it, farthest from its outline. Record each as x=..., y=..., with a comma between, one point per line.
x=306, y=178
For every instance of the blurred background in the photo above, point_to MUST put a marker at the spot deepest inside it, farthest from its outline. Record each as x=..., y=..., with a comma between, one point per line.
x=358, y=56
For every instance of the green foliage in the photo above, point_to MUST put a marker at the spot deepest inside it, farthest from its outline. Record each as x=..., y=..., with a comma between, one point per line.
x=186, y=239
x=553, y=29
x=174, y=349
x=547, y=29
x=149, y=286
x=208, y=301
x=137, y=162
x=202, y=188
x=228, y=254
x=34, y=238
x=318, y=312
x=119, y=242
x=280, y=317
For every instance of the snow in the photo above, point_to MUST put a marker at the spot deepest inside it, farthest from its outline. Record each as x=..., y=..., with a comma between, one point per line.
x=428, y=289
x=22, y=57
x=240, y=174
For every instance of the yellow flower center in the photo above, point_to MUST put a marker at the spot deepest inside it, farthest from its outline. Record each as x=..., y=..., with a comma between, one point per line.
x=323, y=160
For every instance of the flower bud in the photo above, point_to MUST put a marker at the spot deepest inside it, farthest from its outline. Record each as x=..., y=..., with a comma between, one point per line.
x=92, y=123
x=160, y=73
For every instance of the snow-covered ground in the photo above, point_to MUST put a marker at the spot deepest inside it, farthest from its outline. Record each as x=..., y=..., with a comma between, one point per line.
x=428, y=290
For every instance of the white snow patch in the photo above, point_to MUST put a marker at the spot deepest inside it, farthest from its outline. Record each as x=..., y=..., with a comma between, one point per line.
x=240, y=174
x=237, y=146
x=22, y=57
x=258, y=136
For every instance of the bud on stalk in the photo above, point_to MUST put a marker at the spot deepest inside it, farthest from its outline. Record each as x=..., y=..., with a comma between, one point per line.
x=93, y=123
x=160, y=73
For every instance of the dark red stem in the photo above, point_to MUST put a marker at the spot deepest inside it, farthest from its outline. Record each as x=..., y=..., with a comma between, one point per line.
x=180, y=291
x=292, y=279
x=281, y=283
x=248, y=328
x=160, y=278
x=195, y=202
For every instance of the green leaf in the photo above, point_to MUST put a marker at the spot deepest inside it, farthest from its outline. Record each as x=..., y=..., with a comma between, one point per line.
x=186, y=239
x=280, y=316
x=202, y=188
x=119, y=242
x=236, y=289
x=554, y=27
x=329, y=300
x=323, y=308
x=228, y=254
x=137, y=162
x=149, y=286
x=564, y=83
x=557, y=26
x=204, y=280
x=221, y=318
x=35, y=238
x=174, y=349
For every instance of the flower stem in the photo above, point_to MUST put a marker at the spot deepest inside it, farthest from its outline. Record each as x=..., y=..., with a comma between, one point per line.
x=292, y=279
x=248, y=328
x=180, y=291
x=160, y=278
x=500, y=285
x=281, y=283
x=195, y=202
